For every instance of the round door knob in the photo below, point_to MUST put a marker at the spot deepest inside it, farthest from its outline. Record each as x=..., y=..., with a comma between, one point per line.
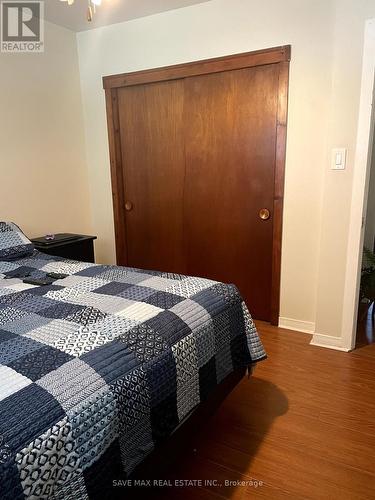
x=128, y=206
x=264, y=213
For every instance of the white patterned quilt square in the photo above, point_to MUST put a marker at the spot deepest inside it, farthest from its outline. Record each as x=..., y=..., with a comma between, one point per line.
x=19, y=286
x=189, y=286
x=113, y=326
x=47, y=461
x=65, y=267
x=83, y=340
x=109, y=304
x=158, y=283
x=11, y=381
x=139, y=312
x=185, y=355
x=72, y=293
x=29, y=322
x=192, y=313
x=52, y=331
x=72, y=383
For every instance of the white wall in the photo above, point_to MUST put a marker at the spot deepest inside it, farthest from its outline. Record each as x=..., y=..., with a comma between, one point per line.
x=43, y=172
x=348, y=29
x=208, y=30
x=324, y=93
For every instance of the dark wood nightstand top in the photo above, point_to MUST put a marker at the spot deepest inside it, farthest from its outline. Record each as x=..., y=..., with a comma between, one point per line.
x=43, y=244
x=78, y=247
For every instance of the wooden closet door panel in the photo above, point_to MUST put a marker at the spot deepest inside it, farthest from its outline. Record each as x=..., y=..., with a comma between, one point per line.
x=230, y=139
x=152, y=143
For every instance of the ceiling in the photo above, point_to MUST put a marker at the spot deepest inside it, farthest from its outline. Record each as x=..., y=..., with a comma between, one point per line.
x=110, y=12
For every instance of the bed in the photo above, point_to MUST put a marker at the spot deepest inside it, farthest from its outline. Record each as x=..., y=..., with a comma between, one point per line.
x=98, y=368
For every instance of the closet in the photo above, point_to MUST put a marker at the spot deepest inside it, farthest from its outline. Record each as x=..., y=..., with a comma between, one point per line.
x=197, y=161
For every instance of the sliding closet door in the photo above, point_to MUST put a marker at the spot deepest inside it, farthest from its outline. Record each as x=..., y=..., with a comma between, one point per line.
x=230, y=146
x=197, y=162
x=153, y=169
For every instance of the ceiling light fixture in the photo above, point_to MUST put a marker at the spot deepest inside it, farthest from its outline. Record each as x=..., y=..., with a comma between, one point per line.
x=91, y=7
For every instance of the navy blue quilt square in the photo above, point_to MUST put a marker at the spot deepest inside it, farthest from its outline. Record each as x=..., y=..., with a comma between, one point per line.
x=92, y=271
x=4, y=336
x=33, y=304
x=100, y=475
x=113, y=288
x=86, y=316
x=10, y=481
x=61, y=310
x=240, y=351
x=213, y=302
x=38, y=363
x=17, y=347
x=221, y=323
x=207, y=379
x=236, y=320
x=164, y=418
x=144, y=342
x=169, y=326
x=164, y=300
x=137, y=293
x=13, y=299
x=111, y=361
x=27, y=414
x=150, y=272
x=161, y=377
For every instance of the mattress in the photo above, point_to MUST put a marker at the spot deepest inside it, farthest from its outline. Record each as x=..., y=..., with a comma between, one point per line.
x=99, y=367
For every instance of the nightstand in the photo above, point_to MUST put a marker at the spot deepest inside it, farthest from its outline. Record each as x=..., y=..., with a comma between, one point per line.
x=71, y=246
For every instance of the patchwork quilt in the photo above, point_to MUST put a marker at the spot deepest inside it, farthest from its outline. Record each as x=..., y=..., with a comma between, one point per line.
x=98, y=367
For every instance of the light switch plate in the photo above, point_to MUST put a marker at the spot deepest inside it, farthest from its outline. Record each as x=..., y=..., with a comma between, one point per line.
x=338, y=161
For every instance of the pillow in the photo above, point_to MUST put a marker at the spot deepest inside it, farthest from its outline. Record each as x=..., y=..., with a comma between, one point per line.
x=13, y=243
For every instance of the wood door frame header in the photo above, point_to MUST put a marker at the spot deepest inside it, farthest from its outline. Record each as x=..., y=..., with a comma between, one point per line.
x=196, y=68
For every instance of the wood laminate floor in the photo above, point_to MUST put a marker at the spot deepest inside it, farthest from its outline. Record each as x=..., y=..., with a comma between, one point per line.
x=303, y=427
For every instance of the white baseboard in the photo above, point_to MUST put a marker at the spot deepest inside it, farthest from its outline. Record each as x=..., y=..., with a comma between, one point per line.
x=318, y=339
x=296, y=324
x=329, y=342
